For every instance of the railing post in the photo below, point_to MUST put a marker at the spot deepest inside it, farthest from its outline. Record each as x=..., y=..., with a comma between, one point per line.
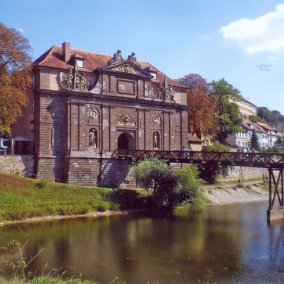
x=270, y=188
x=282, y=190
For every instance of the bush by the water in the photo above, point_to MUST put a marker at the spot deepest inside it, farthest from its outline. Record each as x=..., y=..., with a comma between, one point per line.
x=167, y=189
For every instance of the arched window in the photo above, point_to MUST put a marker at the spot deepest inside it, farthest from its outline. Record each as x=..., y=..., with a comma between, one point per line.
x=93, y=138
x=156, y=140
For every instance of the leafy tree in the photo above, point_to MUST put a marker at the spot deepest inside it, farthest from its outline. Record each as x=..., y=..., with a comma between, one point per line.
x=254, y=142
x=266, y=114
x=194, y=82
x=166, y=188
x=202, y=118
x=15, y=76
x=254, y=118
x=272, y=117
x=212, y=170
x=228, y=113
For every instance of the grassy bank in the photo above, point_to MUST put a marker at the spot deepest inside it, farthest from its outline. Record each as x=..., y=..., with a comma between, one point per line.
x=22, y=198
x=43, y=280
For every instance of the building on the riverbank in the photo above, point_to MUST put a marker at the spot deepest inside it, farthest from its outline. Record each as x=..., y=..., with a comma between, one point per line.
x=86, y=105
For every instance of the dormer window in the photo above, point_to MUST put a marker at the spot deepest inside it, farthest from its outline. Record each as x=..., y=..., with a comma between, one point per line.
x=79, y=62
x=154, y=74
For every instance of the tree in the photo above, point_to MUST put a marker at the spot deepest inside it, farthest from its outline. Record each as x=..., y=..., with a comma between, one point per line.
x=194, y=82
x=15, y=76
x=166, y=188
x=254, y=142
x=212, y=170
x=202, y=117
x=228, y=112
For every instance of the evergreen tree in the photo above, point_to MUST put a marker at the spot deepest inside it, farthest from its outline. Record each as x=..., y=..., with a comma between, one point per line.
x=254, y=143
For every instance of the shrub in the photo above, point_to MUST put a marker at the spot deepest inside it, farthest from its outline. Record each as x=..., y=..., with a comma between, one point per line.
x=189, y=185
x=166, y=188
x=41, y=184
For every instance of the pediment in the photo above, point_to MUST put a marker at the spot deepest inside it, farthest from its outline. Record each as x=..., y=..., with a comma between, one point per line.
x=128, y=67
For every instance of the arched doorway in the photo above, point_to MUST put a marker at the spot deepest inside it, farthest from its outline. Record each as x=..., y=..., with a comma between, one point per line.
x=126, y=141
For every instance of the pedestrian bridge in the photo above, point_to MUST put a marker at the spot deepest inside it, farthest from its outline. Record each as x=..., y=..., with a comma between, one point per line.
x=258, y=160
x=273, y=162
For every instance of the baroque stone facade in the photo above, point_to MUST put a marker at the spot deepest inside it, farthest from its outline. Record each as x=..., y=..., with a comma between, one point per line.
x=88, y=105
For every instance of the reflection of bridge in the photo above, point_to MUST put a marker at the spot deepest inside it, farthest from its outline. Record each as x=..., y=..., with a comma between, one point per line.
x=273, y=162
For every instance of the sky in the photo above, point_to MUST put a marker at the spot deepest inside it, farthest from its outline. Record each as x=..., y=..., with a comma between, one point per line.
x=241, y=41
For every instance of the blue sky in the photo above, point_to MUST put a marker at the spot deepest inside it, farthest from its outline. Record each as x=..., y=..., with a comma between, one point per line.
x=239, y=40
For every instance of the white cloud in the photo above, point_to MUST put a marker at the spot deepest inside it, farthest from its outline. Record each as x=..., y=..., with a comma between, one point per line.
x=264, y=33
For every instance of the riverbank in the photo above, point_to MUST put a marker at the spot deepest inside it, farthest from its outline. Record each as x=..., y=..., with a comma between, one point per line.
x=235, y=193
x=29, y=200
x=32, y=200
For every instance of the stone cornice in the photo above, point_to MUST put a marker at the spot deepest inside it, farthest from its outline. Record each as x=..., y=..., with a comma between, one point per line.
x=113, y=99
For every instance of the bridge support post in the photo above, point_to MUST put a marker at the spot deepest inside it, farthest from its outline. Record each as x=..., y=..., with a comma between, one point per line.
x=276, y=189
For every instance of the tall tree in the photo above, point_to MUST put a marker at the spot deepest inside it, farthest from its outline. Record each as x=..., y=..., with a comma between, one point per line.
x=228, y=113
x=202, y=118
x=254, y=142
x=15, y=76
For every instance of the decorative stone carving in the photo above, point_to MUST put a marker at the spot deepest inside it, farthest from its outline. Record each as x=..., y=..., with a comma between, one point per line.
x=132, y=57
x=156, y=119
x=93, y=138
x=117, y=57
x=125, y=68
x=93, y=113
x=165, y=92
x=73, y=80
x=126, y=120
x=66, y=80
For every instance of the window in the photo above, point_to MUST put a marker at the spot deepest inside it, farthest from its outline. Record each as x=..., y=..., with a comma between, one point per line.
x=154, y=74
x=80, y=63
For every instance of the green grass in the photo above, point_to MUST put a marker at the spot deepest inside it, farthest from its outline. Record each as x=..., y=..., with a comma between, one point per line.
x=22, y=198
x=43, y=280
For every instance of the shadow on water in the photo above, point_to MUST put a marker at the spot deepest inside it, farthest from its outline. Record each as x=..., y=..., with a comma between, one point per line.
x=222, y=244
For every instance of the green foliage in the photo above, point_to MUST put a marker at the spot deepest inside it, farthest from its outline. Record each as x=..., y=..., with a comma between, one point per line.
x=272, y=117
x=217, y=147
x=189, y=185
x=229, y=114
x=254, y=142
x=41, y=184
x=152, y=173
x=212, y=170
x=254, y=118
x=166, y=188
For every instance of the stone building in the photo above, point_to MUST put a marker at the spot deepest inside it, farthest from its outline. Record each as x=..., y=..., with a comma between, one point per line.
x=87, y=105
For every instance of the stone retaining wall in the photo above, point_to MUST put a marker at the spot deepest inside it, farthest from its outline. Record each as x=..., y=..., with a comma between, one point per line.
x=86, y=171
x=244, y=173
x=17, y=164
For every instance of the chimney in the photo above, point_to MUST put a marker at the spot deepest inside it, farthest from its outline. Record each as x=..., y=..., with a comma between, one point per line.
x=66, y=51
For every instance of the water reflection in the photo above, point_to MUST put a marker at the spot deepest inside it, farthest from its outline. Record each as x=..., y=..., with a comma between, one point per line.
x=221, y=244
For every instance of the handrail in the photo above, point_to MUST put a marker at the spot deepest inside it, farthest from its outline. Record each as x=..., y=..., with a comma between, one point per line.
x=264, y=160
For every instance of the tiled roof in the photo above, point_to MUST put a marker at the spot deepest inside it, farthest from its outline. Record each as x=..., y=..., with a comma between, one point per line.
x=267, y=127
x=246, y=123
x=53, y=58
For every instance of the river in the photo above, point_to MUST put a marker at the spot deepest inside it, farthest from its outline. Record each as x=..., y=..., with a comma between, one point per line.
x=221, y=244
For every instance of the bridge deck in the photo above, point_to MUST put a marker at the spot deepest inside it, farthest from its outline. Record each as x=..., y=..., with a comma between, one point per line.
x=260, y=160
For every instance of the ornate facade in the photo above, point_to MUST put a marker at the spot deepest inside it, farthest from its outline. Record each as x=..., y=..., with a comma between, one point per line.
x=87, y=105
